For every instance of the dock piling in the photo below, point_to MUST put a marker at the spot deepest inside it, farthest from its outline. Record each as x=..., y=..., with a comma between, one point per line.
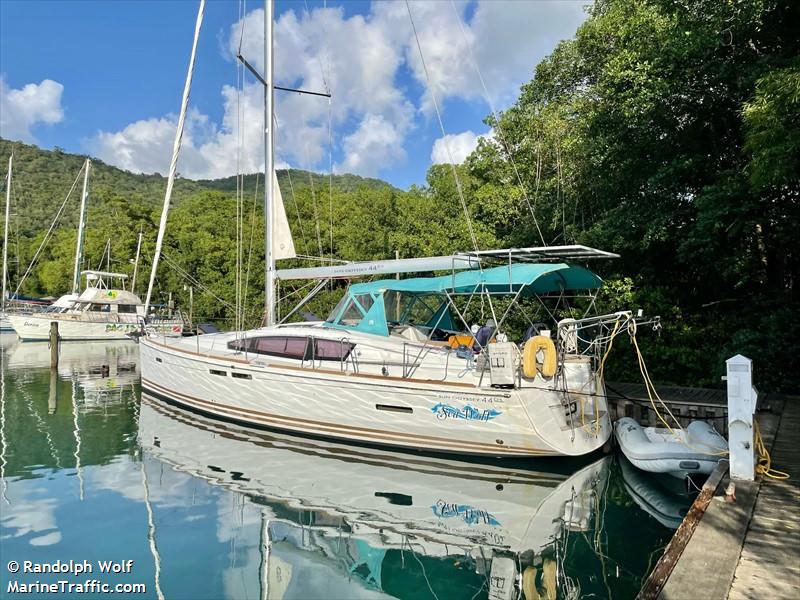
x=54, y=344
x=52, y=399
x=742, y=397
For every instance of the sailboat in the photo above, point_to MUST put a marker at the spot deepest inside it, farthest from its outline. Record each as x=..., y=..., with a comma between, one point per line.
x=104, y=310
x=16, y=300
x=395, y=363
x=5, y=324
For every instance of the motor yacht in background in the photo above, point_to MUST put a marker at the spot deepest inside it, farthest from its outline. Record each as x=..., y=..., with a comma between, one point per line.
x=105, y=310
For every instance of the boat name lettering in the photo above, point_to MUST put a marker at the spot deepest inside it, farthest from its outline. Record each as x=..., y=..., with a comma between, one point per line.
x=469, y=398
x=120, y=327
x=468, y=413
x=469, y=514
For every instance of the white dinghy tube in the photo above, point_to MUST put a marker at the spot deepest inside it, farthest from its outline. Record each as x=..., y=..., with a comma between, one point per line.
x=680, y=452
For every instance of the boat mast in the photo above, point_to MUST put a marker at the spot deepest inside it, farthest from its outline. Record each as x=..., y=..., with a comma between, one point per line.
x=269, y=164
x=136, y=262
x=162, y=227
x=5, y=231
x=76, y=274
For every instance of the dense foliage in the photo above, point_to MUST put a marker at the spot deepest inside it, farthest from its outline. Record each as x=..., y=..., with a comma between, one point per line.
x=669, y=131
x=666, y=130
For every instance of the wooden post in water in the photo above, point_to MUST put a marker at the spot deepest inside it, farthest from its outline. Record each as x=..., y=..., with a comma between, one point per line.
x=54, y=344
x=52, y=400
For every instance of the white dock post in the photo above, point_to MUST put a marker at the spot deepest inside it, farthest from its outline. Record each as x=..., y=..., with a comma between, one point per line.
x=742, y=398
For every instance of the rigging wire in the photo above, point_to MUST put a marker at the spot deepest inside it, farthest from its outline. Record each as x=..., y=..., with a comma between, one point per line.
x=16, y=195
x=444, y=133
x=250, y=251
x=297, y=209
x=314, y=204
x=498, y=134
x=185, y=274
x=240, y=75
x=330, y=128
x=330, y=171
x=49, y=232
x=326, y=85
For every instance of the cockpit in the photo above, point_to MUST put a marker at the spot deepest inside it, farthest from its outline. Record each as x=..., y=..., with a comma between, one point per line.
x=413, y=316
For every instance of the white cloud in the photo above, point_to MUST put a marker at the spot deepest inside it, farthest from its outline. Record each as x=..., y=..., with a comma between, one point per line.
x=24, y=108
x=457, y=146
x=374, y=144
x=505, y=39
x=513, y=37
x=365, y=60
x=207, y=151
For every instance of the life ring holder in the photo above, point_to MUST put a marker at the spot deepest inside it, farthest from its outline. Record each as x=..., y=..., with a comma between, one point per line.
x=530, y=366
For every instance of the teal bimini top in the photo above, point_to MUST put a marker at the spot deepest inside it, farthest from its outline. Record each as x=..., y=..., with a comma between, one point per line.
x=422, y=300
x=533, y=278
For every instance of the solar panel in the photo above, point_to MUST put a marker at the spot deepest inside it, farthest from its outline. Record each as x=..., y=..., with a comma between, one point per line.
x=456, y=262
x=543, y=254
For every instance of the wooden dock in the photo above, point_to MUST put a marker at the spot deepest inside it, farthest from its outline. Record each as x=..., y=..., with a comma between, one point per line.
x=687, y=404
x=749, y=548
x=769, y=564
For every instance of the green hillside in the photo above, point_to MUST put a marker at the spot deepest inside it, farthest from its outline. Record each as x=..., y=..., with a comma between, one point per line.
x=202, y=232
x=42, y=179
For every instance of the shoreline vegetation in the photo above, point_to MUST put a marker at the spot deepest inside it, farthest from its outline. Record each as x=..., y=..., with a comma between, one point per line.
x=665, y=131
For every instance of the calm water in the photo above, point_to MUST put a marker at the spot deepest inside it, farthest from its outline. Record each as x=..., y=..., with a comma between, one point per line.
x=94, y=472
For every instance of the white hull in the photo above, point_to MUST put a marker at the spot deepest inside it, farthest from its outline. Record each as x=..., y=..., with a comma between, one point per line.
x=37, y=327
x=76, y=328
x=333, y=402
x=5, y=324
x=446, y=506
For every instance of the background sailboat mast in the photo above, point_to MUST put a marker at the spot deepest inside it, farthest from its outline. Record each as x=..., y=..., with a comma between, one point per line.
x=136, y=261
x=76, y=273
x=5, y=229
x=174, y=164
x=269, y=164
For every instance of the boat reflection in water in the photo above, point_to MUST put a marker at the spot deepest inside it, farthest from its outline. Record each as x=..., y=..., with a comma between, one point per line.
x=368, y=518
x=660, y=495
x=101, y=369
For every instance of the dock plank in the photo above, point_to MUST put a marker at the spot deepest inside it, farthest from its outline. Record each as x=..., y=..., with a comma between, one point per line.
x=716, y=556
x=769, y=564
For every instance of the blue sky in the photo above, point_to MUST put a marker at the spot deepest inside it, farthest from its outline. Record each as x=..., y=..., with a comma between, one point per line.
x=105, y=78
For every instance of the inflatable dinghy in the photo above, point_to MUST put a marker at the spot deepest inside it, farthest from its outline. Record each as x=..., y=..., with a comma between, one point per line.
x=681, y=452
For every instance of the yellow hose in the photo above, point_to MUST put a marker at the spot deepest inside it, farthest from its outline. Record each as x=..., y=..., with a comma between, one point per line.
x=600, y=375
x=764, y=464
